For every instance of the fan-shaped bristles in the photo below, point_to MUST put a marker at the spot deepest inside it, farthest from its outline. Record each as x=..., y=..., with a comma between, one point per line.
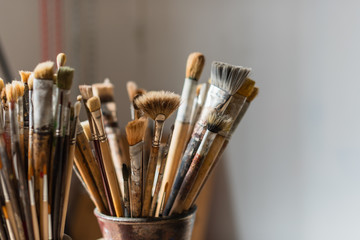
x=60, y=60
x=86, y=91
x=228, y=77
x=24, y=76
x=31, y=81
x=11, y=93
x=44, y=71
x=86, y=127
x=135, y=130
x=246, y=88
x=194, y=66
x=131, y=88
x=1, y=84
x=158, y=102
x=253, y=94
x=65, y=77
x=105, y=90
x=93, y=104
x=218, y=122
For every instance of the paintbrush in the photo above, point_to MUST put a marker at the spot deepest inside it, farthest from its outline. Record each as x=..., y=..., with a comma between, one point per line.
x=11, y=94
x=32, y=203
x=135, y=132
x=126, y=200
x=157, y=106
x=44, y=209
x=42, y=115
x=105, y=91
x=24, y=78
x=164, y=149
x=69, y=164
x=94, y=106
x=216, y=122
x=60, y=62
x=215, y=152
x=194, y=67
x=226, y=80
x=8, y=225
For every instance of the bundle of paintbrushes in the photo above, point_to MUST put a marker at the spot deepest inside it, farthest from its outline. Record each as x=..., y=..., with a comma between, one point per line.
x=38, y=127
x=146, y=174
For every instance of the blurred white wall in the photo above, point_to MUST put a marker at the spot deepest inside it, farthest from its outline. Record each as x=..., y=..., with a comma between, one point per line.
x=291, y=171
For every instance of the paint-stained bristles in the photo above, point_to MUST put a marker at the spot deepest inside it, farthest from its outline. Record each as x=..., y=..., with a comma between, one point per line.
x=19, y=88
x=158, y=102
x=44, y=71
x=93, y=104
x=24, y=76
x=194, y=66
x=11, y=93
x=253, y=94
x=86, y=91
x=218, y=122
x=135, y=130
x=246, y=88
x=228, y=77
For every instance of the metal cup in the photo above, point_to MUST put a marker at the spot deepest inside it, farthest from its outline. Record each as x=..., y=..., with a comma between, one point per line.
x=167, y=228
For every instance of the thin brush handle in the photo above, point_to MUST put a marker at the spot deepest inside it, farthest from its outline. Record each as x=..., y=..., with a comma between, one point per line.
x=111, y=177
x=33, y=209
x=176, y=149
x=9, y=209
x=44, y=209
x=149, y=180
x=2, y=228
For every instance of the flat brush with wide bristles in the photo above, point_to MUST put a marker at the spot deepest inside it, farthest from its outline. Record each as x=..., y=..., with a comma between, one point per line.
x=135, y=132
x=157, y=106
x=226, y=79
x=194, y=66
x=217, y=122
x=12, y=96
x=94, y=106
x=247, y=91
x=43, y=120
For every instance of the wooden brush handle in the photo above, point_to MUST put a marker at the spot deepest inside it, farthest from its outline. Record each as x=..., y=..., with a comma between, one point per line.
x=177, y=146
x=204, y=172
x=44, y=228
x=150, y=180
x=11, y=218
x=85, y=174
x=111, y=177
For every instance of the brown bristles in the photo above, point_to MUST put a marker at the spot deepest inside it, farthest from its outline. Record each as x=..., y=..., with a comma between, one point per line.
x=135, y=130
x=158, y=102
x=44, y=71
x=19, y=88
x=131, y=88
x=253, y=94
x=246, y=88
x=86, y=91
x=31, y=81
x=105, y=90
x=217, y=122
x=1, y=84
x=24, y=76
x=93, y=104
x=60, y=60
x=65, y=77
x=194, y=66
x=11, y=93
x=86, y=127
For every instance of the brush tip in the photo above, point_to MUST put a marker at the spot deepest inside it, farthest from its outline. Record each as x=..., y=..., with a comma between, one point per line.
x=253, y=94
x=194, y=66
x=60, y=60
x=158, y=102
x=10, y=92
x=31, y=81
x=65, y=77
x=19, y=88
x=24, y=76
x=86, y=91
x=131, y=88
x=44, y=71
x=135, y=130
x=1, y=84
x=105, y=90
x=246, y=88
x=217, y=122
x=93, y=103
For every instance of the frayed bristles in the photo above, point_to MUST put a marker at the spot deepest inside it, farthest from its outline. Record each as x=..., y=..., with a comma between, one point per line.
x=60, y=60
x=105, y=90
x=228, y=77
x=218, y=122
x=2, y=85
x=194, y=66
x=135, y=130
x=158, y=102
x=93, y=104
x=31, y=81
x=131, y=88
x=19, y=88
x=11, y=94
x=24, y=76
x=65, y=77
x=253, y=94
x=86, y=91
x=246, y=88
x=44, y=71
x=86, y=127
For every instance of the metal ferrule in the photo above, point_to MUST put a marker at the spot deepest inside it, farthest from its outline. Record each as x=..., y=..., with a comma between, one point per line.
x=237, y=120
x=159, y=125
x=135, y=152
x=42, y=99
x=187, y=97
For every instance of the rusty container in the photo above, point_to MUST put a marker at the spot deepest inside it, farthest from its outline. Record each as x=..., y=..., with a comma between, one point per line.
x=168, y=228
